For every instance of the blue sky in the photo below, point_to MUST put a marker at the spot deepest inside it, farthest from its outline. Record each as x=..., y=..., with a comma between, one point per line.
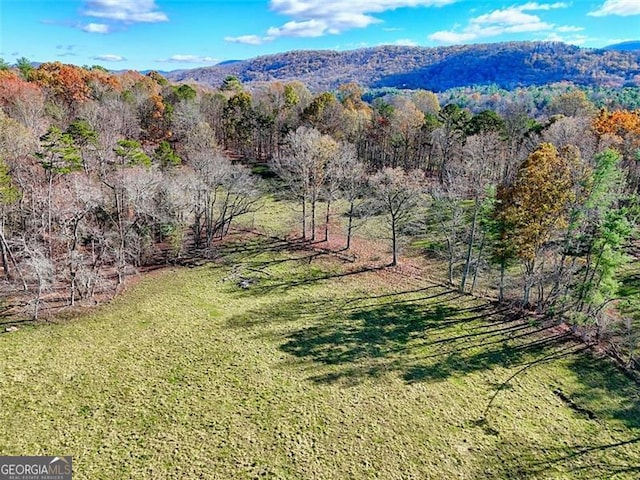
x=173, y=34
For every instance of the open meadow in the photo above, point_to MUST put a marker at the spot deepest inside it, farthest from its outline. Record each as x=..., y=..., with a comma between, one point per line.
x=276, y=362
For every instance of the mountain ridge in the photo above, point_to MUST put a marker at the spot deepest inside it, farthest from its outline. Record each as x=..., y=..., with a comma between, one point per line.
x=630, y=45
x=507, y=65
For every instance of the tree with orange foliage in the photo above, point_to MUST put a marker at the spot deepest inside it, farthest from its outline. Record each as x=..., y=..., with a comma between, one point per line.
x=620, y=130
x=66, y=82
x=99, y=80
x=618, y=122
x=153, y=119
x=21, y=100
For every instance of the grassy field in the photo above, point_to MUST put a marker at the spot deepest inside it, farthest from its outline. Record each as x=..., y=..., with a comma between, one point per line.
x=627, y=333
x=317, y=370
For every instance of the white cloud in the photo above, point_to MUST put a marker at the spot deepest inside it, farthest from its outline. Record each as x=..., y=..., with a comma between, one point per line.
x=308, y=28
x=573, y=40
x=316, y=18
x=508, y=20
x=95, y=28
x=568, y=29
x=618, y=7
x=449, y=37
x=553, y=37
x=129, y=11
x=509, y=17
x=405, y=42
x=543, y=6
x=351, y=46
x=109, y=58
x=331, y=8
x=340, y=15
x=247, y=39
x=577, y=40
x=180, y=58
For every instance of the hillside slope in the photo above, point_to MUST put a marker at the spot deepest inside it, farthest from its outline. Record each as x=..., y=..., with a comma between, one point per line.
x=624, y=46
x=507, y=65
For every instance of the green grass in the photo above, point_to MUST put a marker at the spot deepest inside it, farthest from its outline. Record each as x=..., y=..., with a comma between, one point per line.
x=627, y=333
x=315, y=371
x=275, y=217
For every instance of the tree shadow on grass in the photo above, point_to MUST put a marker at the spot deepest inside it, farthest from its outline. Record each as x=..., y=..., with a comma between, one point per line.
x=309, y=277
x=314, y=310
x=243, y=250
x=598, y=393
x=609, y=394
x=7, y=321
x=420, y=342
x=526, y=459
x=255, y=264
x=251, y=252
x=432, y=335
x=423, y=335
x=432, y=340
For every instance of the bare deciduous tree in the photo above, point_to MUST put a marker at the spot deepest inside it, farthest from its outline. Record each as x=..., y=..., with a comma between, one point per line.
x=398, y=194
x=42, y=271
x=303, y=168
x=220, y=192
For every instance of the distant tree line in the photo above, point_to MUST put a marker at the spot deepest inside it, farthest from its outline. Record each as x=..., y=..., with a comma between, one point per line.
x=507, y=65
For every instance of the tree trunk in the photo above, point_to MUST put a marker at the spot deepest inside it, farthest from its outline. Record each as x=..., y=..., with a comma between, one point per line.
x=475, y=270
x=223, y=217
x=49, y=220
x=540, y=303
x=350, y=225
x=72, y=267
x=5, y=263
x=314, y=200
x=326, y=219
x=6, y=250
x=589, y=275
x=528, y=282
x=36, y=308
x=197, y=220
x=120, y=255
x=197, y=229
x=503, y=267
x=304, y=217
x=394, y=245
x=467, y=263
x=450, y=266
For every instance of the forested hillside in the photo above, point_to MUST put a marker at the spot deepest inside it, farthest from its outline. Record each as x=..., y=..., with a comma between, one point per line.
x=506, y=65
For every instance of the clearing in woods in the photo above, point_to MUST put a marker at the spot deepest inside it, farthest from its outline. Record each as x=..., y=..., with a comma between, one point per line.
x=280, y=363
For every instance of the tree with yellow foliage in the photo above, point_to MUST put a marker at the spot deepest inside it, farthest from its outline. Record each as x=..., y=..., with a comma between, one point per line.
x=532, y=207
